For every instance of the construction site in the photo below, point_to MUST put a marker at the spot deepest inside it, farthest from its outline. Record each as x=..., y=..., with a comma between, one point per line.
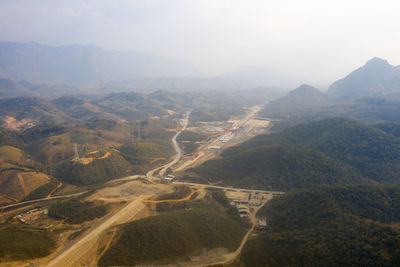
x=140, y=196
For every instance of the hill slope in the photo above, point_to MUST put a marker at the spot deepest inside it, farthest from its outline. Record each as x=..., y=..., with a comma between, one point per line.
x=96, y=171
x=376, y=78
x=278, y=167
x=9, y=88
x=319, y=150
x=332, y=226
x=172, y=235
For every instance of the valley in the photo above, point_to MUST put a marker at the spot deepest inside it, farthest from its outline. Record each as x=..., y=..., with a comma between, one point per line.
x=124, y=158
x=131, y=197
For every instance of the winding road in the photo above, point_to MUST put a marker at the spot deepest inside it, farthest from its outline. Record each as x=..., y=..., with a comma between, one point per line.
x=163, y=169
x=73, y=255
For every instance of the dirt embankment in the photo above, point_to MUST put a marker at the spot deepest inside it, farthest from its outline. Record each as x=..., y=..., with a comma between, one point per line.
x=14, y=124
x=87, y=160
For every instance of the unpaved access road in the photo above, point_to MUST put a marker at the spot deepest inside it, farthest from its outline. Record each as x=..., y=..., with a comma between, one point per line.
x=72, y=256
x=230, y=257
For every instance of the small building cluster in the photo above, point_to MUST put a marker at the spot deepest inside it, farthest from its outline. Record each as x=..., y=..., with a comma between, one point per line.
x=227, y=137
x=244, y=200
x=30, y=216
x=262, y=223
x=168, y=179
x=212, y=129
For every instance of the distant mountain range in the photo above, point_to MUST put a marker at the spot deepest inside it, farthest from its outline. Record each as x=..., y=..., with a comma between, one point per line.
x=112, y=71
x=83, y=64
x=371, y=94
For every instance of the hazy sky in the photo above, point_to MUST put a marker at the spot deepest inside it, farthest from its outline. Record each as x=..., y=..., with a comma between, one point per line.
x=317, y=40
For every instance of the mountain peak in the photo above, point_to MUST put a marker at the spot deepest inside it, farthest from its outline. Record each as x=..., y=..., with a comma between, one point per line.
x=377, y=62
x=376, y=78
x=305, y=89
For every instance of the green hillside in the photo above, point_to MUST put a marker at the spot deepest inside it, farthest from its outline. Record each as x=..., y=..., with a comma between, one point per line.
x=10, y=153
x=278, y=167
x=188, y=141
x=12, y=138
x=97, y=171
x=75, y=211
x=191, y=136
x=146, y=149
x=35, y=108
x=391, y=128
x=172, y=235
x=371, y=152
x=22, y=243
x=331, y=226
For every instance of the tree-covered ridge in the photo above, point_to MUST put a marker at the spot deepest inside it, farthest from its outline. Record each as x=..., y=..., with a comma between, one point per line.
x=22, y=243
x=304, y=208
x=76, y=211
x=330, y=226
x=338, y=145
x=372, y=152
x=173, y=234
x=391, y=128
x=278, y=167
x=98, y=171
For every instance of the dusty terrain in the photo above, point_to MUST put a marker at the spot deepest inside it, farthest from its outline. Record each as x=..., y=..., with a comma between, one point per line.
x=16, y=184
x=13, y=124
x=129, y=191
x=128, y=197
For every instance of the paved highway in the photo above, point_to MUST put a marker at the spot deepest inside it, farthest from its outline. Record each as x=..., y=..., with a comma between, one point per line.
x=40, y=200
x=206, y=154
x=73, y=255
x=163, y=169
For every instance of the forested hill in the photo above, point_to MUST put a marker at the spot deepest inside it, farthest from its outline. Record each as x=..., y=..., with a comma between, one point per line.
x=278, y=167
x=327, y=151
x=331, y=226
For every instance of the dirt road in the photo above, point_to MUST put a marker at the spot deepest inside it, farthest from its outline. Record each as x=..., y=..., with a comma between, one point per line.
x=188, y=197
x=230, y=257
x=54, y=190
x=72, y=256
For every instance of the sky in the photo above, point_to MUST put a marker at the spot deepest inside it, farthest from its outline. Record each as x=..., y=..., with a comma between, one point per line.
x=317, y=41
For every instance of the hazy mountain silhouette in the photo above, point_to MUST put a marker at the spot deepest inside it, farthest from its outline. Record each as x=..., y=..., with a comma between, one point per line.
x=83, y=64
x=376, y=78
x=9, y=88
x=304, y=98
